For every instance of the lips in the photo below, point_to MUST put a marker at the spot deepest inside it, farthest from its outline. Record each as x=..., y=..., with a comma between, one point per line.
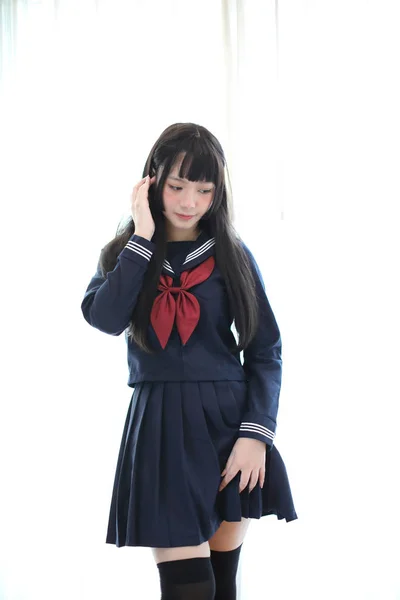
x=184, y=216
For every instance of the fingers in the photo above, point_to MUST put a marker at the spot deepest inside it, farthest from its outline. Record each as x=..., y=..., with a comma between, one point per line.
x=145, y=180
x=250, y=478
x=139, y=183
x=229, y=473
x=143, y=184
x=244, y=480
x=250, y=464
x=262, y=477
x=253, y=480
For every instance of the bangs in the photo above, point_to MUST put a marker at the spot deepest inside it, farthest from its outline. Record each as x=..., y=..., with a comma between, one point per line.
x=199, y=164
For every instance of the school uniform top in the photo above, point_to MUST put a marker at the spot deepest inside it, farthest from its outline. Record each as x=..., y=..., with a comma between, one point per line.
x=190, y=327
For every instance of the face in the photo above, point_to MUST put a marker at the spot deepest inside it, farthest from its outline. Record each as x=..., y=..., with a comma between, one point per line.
x=184, y=197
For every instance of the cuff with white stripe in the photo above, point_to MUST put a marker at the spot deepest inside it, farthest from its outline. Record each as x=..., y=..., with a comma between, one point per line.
x=138, y=249
x=258, y=428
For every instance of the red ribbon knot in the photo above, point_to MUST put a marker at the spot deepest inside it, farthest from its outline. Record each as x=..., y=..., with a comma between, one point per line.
x=185, y=310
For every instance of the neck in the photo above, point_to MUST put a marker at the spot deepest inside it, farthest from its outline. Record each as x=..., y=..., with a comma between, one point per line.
x=183, y=236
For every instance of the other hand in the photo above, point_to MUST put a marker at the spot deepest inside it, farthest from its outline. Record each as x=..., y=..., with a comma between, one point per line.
x=247, y=456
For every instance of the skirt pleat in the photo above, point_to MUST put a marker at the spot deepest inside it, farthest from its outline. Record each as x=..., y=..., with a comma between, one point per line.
x=175, y=443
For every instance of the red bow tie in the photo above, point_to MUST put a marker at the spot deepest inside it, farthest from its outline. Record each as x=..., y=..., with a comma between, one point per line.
x=185, y=308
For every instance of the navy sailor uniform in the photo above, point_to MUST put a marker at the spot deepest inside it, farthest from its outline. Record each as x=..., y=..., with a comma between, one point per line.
x=191, y=399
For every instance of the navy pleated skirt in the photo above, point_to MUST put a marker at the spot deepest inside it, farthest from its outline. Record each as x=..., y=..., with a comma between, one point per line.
x=176, y=441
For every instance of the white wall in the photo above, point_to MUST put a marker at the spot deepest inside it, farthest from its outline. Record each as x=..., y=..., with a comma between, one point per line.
x=313, y=89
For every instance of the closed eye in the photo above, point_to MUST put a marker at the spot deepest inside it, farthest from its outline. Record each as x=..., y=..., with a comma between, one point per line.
x=175, y=188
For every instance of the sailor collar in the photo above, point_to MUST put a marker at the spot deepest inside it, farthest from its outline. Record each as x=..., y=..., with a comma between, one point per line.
x=202, y=248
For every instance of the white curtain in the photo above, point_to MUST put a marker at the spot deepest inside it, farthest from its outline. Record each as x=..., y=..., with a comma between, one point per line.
x=304, y=98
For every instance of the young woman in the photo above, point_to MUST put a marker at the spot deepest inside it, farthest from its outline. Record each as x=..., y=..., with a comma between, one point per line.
x=197, y=459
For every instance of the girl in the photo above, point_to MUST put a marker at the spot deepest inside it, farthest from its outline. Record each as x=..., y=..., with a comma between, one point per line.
x=197, y=459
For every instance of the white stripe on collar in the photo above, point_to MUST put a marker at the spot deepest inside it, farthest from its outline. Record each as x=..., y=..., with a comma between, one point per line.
x=167, y=265
x=196, y=253
x=192, y=255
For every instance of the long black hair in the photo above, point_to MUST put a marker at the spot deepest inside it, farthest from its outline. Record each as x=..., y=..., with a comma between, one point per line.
x=203, y=160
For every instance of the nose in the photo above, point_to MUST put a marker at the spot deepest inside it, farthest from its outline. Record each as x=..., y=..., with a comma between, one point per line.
x=187, y=200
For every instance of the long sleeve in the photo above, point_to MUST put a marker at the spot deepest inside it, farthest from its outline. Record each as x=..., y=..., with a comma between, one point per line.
x=109, y=301
x=262, y=363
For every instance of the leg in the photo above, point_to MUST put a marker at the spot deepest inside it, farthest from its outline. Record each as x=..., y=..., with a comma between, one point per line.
x=185, y=573
x=229, y=535
x=225, y=546
x=164, y=554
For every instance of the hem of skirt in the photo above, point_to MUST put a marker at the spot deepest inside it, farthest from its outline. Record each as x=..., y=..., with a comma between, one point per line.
x=197, y=540
x=291, y=517
x=143, y=544
x=193, y=540
x=267, y=513
x=273, y=512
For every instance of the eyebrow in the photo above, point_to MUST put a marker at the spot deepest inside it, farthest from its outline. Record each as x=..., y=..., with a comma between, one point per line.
x=183, y=180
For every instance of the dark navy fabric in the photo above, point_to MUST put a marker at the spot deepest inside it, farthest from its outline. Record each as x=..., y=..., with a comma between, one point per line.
x=189, y=405
x=108, y=304
x=175, y=444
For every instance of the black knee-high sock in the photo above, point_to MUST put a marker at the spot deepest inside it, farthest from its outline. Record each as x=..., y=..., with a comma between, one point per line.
x=225, y=565
x=187, y=579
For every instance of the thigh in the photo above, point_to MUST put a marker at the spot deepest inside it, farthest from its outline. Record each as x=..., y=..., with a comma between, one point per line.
x=164, y=554
x=229, y=535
